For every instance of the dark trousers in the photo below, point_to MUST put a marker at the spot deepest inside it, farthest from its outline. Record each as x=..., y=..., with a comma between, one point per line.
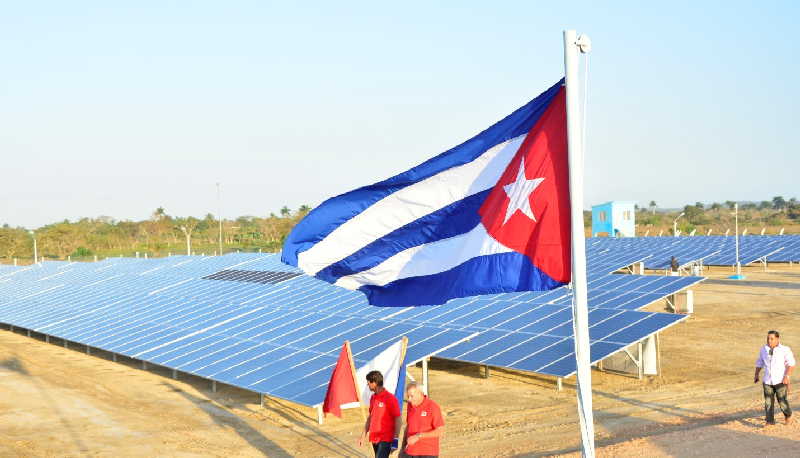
x=382, y=449
x=771, y=392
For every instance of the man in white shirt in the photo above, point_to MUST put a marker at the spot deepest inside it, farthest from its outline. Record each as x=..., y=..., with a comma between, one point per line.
x=778, y=362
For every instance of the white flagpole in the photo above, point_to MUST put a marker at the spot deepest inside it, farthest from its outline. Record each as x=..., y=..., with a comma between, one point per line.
x=580, y=312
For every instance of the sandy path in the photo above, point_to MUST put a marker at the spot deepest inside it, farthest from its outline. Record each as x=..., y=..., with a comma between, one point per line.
x=745, y=436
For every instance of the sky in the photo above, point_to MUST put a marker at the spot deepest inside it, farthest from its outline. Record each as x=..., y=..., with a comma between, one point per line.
x=117, y=108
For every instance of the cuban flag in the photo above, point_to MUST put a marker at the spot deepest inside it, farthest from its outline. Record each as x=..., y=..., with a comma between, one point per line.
x=488, y=216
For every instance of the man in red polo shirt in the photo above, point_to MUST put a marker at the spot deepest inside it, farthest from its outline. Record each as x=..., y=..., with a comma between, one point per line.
x=424, y=424
x=383, y=422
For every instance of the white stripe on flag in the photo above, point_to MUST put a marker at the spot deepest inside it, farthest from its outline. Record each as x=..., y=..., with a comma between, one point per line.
x=409, y=204
x=431, y=258
x=388, y=363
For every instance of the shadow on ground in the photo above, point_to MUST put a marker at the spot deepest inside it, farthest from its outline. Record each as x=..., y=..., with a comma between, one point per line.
x=228, y=419
x=15, y=364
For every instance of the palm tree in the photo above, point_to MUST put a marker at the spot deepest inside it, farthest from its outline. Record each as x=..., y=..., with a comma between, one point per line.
x=285, y=212
x=653, y=206
x=778, y=203
x=159, y=214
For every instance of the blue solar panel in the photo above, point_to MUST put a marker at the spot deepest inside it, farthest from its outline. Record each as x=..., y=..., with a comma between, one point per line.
x=790, y=251
x=657, y=252
x=255, y=335
x=279, y=333
x=539, y=337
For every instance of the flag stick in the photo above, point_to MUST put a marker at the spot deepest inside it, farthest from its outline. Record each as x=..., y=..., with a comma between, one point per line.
x=580, y=313
x=355, y=380
x=403, y=347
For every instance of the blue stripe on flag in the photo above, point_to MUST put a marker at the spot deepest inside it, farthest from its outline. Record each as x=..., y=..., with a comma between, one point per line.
x=497, y=273
x=455, y=219
x=332, y=213
x=400, y=391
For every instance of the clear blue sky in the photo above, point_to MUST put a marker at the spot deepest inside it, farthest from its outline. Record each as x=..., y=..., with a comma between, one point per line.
x=113, y=109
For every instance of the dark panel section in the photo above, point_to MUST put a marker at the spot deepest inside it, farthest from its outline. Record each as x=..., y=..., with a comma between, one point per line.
x=266, y=277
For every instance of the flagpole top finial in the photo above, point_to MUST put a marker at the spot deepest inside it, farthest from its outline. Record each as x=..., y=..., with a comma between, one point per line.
x=584, y=43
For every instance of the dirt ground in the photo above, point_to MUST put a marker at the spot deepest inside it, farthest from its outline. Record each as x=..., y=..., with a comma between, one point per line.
x=57, y=401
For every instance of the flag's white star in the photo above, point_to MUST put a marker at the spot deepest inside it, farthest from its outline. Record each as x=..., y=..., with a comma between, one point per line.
x=519, y=193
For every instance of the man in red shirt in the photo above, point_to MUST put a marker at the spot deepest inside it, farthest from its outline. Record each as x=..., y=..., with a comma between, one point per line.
x=424, y=424
x=383, y=423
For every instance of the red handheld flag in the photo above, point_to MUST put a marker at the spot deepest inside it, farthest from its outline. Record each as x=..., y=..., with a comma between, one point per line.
x=342, y=387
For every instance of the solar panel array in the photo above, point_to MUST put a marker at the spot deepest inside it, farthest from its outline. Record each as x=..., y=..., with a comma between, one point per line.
x=533, y=331
x=250, y=321
x=657, y=252
x=790, y=245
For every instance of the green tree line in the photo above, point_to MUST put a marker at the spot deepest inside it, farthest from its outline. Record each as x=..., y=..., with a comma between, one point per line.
x=163, y=233
x=719, y=217
x=159, y=235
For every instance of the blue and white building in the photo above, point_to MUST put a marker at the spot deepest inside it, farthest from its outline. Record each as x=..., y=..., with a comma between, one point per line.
x=614, y=219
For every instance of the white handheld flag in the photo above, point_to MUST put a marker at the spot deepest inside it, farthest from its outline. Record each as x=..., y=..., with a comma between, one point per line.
x=390, y=364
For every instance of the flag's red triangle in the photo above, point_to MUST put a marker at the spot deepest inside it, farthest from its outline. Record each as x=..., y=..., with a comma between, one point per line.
x=342, y=387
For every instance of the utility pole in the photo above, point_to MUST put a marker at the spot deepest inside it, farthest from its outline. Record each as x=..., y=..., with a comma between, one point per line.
x=219, y=217
x=35, y=251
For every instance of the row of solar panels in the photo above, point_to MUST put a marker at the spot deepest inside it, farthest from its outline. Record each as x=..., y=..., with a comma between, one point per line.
x=657, y=252
x=250, y=321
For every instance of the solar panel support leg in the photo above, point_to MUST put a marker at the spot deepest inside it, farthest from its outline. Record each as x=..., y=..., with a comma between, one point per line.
x=650, y=356
x=47, y=339
x=213, y=386
x=425, y=376
x=689, y=301
x=65, y=344
x=559, y=384
x=671, y=303
x=640, y=366
x=175, y=374
x=261, y=398
x=114, y=357
x=320, y=414
x=486, y=371
x=658, y=353
x=88, y=350
x=144, y=365
x=29, y=332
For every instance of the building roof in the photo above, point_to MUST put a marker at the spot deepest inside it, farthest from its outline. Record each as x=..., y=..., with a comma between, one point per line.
x=616, y=202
